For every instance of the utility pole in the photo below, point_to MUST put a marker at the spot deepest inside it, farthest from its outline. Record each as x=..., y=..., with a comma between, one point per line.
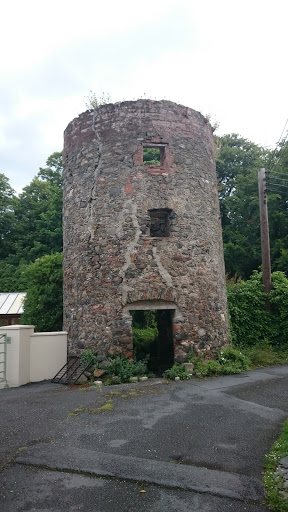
x=265, y=244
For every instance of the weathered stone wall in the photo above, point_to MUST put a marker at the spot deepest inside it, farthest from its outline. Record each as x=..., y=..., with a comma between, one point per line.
x=111, y=263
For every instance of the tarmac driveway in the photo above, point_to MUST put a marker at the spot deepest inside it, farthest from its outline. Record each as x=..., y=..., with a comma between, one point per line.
x=187, y=446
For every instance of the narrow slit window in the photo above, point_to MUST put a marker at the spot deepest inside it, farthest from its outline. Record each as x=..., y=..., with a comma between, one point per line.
x=159, y=222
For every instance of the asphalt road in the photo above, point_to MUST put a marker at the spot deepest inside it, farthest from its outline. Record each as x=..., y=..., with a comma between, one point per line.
x=187, y=446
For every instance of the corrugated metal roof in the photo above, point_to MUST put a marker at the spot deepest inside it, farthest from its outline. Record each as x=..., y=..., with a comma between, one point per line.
x=11, y=303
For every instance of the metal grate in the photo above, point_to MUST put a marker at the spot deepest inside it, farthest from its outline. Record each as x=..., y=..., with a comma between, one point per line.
x=4, y=340
x=71, y=371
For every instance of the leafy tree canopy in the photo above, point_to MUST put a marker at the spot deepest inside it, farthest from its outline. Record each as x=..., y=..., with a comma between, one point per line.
x=43, y=302
x=32, y=222
x=7, y=219
x=237, y=164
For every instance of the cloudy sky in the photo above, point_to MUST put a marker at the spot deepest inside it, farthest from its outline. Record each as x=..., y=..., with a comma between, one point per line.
x=224, y=58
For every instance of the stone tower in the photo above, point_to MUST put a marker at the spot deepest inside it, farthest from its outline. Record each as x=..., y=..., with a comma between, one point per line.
x=142, y=236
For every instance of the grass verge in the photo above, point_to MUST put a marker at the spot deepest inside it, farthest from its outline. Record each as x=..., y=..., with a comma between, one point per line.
x=272, y=481
x=264, y=354
x=234, y=360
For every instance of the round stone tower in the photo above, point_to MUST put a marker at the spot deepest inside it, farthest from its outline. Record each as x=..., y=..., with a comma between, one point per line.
x=142, y=228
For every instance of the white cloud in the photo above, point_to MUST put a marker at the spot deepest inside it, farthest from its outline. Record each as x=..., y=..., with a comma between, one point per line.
x=223, y=58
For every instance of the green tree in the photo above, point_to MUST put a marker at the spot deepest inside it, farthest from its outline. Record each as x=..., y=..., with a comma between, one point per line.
x=38, y=214
x=237, y=164
x=277, y=183
x=53, y=172
x=241, y=232
x=7, y=218
x=12, y=277
x=31, y=224
x=235, y=156
x=43, y=302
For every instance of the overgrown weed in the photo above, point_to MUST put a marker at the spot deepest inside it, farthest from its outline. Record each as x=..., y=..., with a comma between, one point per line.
x=273, y=481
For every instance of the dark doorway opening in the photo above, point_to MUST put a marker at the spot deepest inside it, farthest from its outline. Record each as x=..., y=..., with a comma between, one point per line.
x=153, y=338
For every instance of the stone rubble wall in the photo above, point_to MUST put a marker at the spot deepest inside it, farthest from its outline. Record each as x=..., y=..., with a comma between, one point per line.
x=110, y=259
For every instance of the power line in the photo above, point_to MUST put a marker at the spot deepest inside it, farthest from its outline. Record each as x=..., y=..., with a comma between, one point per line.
x=278, y=173
x=276, y=182
x=276, y=185
x=277, y=178
x=281, y=140
x=276, y=188
x=282, y=132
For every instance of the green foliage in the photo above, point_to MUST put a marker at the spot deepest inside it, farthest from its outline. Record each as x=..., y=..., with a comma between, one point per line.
x=93, y=101
x=144, y=336
x=123, y=368
x=272, y=481
x=43, y=303
x=278, y=207
x=143, y=340
x=206, y=368
x=53, y=172
x=263, y=354
x=115, y=380
x=145, y=332
x=250, y=322
x=278, y=299
x=13, y=278
x=228, y=361
x=232, y=361
x=177, y=370
x=143, y=319
x=38, y=214
x=7, y=219
x=237, y=163
x=31, y=224
x=151, y=156
x=139, y=368
x=235, y=156
x=89, y=357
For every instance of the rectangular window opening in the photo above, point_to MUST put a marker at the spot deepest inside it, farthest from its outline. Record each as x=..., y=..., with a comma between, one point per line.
x=160, y=222
x=153, y=155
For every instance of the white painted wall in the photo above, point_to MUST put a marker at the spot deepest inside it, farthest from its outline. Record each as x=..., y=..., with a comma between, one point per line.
x=32, y=357
x=48, y=353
